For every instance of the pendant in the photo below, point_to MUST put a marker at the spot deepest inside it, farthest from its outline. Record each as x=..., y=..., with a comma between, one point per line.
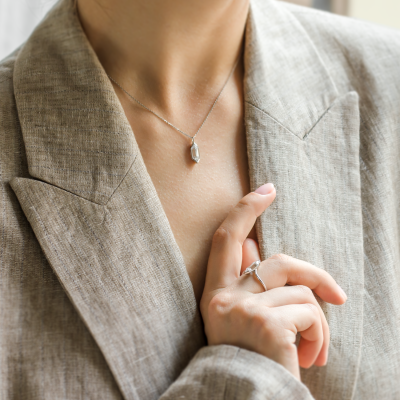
x=195, y=152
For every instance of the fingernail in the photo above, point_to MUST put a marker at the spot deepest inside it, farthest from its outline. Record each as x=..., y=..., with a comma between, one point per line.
x=342, y=291
x=265, y=189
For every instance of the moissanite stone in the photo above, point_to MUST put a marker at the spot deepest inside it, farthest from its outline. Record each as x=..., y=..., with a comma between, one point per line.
x=194, y=152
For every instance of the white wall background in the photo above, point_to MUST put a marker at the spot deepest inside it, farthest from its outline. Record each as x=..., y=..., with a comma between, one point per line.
x=384, y=12
x=17, y=20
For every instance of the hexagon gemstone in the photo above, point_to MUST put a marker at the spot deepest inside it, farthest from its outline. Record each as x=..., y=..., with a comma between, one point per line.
x=195, y=152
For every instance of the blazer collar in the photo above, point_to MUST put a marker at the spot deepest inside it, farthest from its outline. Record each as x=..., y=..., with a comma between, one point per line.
x=58, y=79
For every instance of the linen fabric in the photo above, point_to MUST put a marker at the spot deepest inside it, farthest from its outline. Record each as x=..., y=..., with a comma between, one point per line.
x=95, y=299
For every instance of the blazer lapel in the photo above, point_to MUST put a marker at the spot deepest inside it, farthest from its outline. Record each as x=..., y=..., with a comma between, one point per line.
x=96, y=213
x=121, y=268
x=303, y=136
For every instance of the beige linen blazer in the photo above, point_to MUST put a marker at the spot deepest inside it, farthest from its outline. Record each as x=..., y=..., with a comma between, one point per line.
x=95, y=300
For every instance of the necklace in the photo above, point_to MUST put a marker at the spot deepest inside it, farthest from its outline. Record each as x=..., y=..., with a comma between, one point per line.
x=194, y=148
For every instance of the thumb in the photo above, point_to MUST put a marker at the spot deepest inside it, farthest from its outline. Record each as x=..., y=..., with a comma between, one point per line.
x=250, y=253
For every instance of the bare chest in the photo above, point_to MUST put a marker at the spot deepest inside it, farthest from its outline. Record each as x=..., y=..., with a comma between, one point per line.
x=196, y=198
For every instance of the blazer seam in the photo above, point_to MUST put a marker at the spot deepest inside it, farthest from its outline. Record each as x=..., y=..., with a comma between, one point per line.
x=319, y=119
x=270, y=116
x=304, y=138
x=123, y=178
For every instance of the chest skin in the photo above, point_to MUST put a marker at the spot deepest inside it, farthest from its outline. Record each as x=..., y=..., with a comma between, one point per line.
x=196, y=197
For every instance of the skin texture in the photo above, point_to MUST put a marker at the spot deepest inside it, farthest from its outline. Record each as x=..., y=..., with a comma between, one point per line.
x=175, y=56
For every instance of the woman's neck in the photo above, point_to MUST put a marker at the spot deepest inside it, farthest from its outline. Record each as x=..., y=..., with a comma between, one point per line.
x=170, y=51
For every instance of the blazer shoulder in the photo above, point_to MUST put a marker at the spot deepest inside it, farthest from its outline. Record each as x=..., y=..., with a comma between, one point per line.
x=359, y=55
x=8, y=110
x=348, y=31
x=6, y=74
x=12, y=150
x=332, y=31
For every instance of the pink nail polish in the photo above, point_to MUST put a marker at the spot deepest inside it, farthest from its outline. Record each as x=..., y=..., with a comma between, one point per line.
x=265, y=189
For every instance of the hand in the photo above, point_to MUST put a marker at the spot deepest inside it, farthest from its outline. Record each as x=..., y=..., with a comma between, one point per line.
x=237, y=311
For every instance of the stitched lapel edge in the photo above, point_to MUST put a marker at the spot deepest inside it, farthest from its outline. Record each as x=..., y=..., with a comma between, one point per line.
x=284, y=74
x=75, y=131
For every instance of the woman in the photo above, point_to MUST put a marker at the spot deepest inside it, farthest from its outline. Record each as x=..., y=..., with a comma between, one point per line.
x=124, y=256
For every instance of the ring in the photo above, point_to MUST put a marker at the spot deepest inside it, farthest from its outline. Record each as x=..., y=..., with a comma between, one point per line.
x=253, y=268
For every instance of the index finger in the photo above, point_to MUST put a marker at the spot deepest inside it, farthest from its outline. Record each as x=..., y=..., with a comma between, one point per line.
x=225, y=258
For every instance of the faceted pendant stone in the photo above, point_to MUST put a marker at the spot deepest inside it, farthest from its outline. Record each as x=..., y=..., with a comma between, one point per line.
x=195, y=152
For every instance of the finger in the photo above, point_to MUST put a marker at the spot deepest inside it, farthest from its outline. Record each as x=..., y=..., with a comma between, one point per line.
x=287, y=295
x=321, y=282
x=303, y=318
x=250, y=253
x=225, y=258
x=242, y=217
x=281, y=269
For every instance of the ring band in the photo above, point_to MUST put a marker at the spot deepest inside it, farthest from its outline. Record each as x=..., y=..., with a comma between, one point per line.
x=253, y=268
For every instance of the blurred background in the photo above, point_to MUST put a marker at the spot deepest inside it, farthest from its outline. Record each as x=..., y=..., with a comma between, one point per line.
x=19, y=17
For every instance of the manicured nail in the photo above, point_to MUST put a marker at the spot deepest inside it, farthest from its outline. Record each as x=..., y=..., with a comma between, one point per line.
x=265, y=189
x=342, y=291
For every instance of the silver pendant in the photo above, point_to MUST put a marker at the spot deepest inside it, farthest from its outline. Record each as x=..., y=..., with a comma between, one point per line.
x=195, y=152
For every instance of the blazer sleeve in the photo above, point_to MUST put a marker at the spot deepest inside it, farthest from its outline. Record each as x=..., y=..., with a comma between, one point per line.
x=228, y=372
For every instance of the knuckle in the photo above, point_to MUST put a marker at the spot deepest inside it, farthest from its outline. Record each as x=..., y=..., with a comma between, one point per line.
x=266, y=323
x=287, y=346
x=219, y=305
x=305, y=290
x=221, y=235
x=280, y=257
x=281, y=262
x=247, y=202
x=241, y=310
x=313, y=308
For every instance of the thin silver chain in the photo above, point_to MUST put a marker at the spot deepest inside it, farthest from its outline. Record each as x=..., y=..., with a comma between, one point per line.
x=169, y=123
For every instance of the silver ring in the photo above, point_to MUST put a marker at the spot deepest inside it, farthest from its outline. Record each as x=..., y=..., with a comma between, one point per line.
x=253, y=268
